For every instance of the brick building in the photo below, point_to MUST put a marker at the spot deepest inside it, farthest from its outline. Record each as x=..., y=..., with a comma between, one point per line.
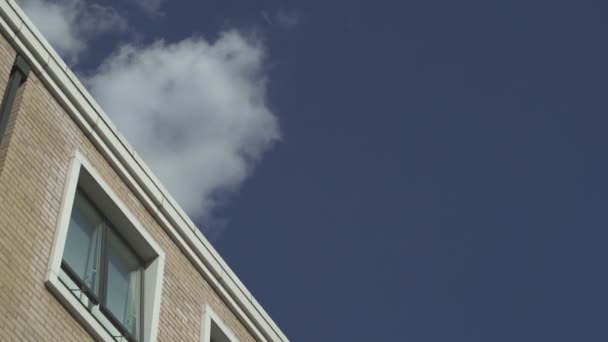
x=92, y=247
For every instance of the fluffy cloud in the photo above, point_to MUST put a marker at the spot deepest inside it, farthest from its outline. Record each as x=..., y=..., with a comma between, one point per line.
x=69, y=24
x=195, y=110
x=150, y=6
x=286, y=19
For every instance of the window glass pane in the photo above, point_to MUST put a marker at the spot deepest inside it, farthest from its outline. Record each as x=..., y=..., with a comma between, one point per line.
x=83, y=243
x=217, y=334
x=123, y=283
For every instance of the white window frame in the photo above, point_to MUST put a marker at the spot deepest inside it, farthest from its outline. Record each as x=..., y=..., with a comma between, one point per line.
x=210, y=321
x=81, y=171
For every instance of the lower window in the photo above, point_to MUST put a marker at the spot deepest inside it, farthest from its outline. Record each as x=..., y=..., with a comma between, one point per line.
x=105, y=268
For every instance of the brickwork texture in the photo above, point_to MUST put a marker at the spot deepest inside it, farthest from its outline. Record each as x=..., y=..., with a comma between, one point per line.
x=34, y=157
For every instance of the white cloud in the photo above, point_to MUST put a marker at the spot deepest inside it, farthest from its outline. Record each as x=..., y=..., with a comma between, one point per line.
x=196, y=111
x=70, y=24
x=286, y=19
x=150, y=6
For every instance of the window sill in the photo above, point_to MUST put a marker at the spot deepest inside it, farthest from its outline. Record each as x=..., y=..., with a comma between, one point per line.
x=77, y=309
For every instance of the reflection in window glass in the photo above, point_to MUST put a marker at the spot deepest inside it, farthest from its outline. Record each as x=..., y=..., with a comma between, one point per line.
x=83, y=244
x=124, y=283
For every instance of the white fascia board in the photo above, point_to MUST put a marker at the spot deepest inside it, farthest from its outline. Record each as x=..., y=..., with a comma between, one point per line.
x=42, y=56
x=150, y=181
x=11, y=18
x=30, y=35
x=122, y=171
x=82, y=91
x=207, y=257
x=89, y=116
x=147, y=184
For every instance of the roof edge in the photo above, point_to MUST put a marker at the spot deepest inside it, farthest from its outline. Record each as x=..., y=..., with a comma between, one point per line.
x=88, y=115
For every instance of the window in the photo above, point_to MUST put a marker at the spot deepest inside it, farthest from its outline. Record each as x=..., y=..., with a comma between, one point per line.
x=98, y=264
x=213, y=329
x=104, y=267
x=18, y=75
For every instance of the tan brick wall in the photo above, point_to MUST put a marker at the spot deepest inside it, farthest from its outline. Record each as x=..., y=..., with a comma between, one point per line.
x=42, y=138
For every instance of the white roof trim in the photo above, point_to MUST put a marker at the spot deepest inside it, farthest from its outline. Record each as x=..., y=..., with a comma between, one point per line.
x=86, y=112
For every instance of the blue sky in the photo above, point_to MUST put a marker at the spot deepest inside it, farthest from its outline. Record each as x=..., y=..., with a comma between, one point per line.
x=402, y=171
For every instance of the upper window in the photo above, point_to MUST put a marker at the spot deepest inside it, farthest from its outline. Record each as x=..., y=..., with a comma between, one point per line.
x=104, y=266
